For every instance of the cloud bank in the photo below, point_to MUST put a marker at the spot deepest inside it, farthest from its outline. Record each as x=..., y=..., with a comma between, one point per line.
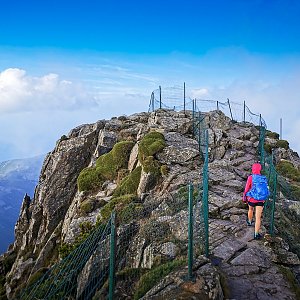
x=21, y=92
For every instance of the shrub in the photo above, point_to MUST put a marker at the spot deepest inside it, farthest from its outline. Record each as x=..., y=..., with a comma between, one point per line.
x=282, y=144
x=272, y=135
x=287, y=169
x=107, y=167
x=150, y=279
x=129, y=184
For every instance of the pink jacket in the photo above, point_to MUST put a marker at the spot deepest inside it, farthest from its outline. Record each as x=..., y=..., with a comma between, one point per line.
x=256, y=168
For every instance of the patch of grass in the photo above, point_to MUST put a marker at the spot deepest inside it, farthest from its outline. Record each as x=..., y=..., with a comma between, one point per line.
x=129, y=184
x=150, y=279
x=290, y=277
x=286, y=169
x=282, y=144
x=107, y=167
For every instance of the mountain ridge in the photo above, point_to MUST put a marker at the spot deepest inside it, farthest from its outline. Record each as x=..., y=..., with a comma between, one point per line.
x=56, y=216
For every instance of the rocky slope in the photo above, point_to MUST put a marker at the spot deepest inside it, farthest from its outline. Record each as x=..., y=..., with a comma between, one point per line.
x=17, y=177
x=238, y=268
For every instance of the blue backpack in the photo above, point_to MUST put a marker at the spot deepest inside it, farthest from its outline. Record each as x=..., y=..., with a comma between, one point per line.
x=259, y=190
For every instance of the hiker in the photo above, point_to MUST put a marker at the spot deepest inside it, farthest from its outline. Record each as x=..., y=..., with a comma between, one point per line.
x=255, y=194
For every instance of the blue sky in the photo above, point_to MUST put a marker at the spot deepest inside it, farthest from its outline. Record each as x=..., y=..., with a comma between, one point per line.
x=63, y=63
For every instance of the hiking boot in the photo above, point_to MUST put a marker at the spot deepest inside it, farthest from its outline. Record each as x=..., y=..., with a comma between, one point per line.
x=257, y=236
x=249, y=223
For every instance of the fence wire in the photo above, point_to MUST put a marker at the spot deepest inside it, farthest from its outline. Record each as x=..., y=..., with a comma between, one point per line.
x=176, y=98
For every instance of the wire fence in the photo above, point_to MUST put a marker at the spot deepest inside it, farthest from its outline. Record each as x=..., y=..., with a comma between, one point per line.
x=87, y=264
x=176, y=98
x=277, y=183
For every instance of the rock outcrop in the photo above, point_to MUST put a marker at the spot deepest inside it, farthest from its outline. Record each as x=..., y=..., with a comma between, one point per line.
x=238, y=268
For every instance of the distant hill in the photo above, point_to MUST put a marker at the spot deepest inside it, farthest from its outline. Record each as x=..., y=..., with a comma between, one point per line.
x=17, y=177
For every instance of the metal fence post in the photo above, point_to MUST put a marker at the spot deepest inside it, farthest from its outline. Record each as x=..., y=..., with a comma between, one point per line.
x=160, y=97
x=205, y=196
x=152, y=96
x=217, y=105
x=184, y=97
x=244, y=111
x=190, y=233
x=193, y=116
x=273, y=202
x=112, y=257
x=230, y=109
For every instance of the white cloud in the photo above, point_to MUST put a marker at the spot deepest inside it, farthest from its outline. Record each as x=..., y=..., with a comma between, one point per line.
x=21, y=92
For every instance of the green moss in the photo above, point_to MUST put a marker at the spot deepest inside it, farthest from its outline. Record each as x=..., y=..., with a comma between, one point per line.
x=283, y=144
x=116, y=159
x=272, y=135
x=107, y=167
x=150, y=279
x=286, y=168
x=87, y=206
x=290, y=277
x=152, y=143
x=129, y=184
x=120, y=201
